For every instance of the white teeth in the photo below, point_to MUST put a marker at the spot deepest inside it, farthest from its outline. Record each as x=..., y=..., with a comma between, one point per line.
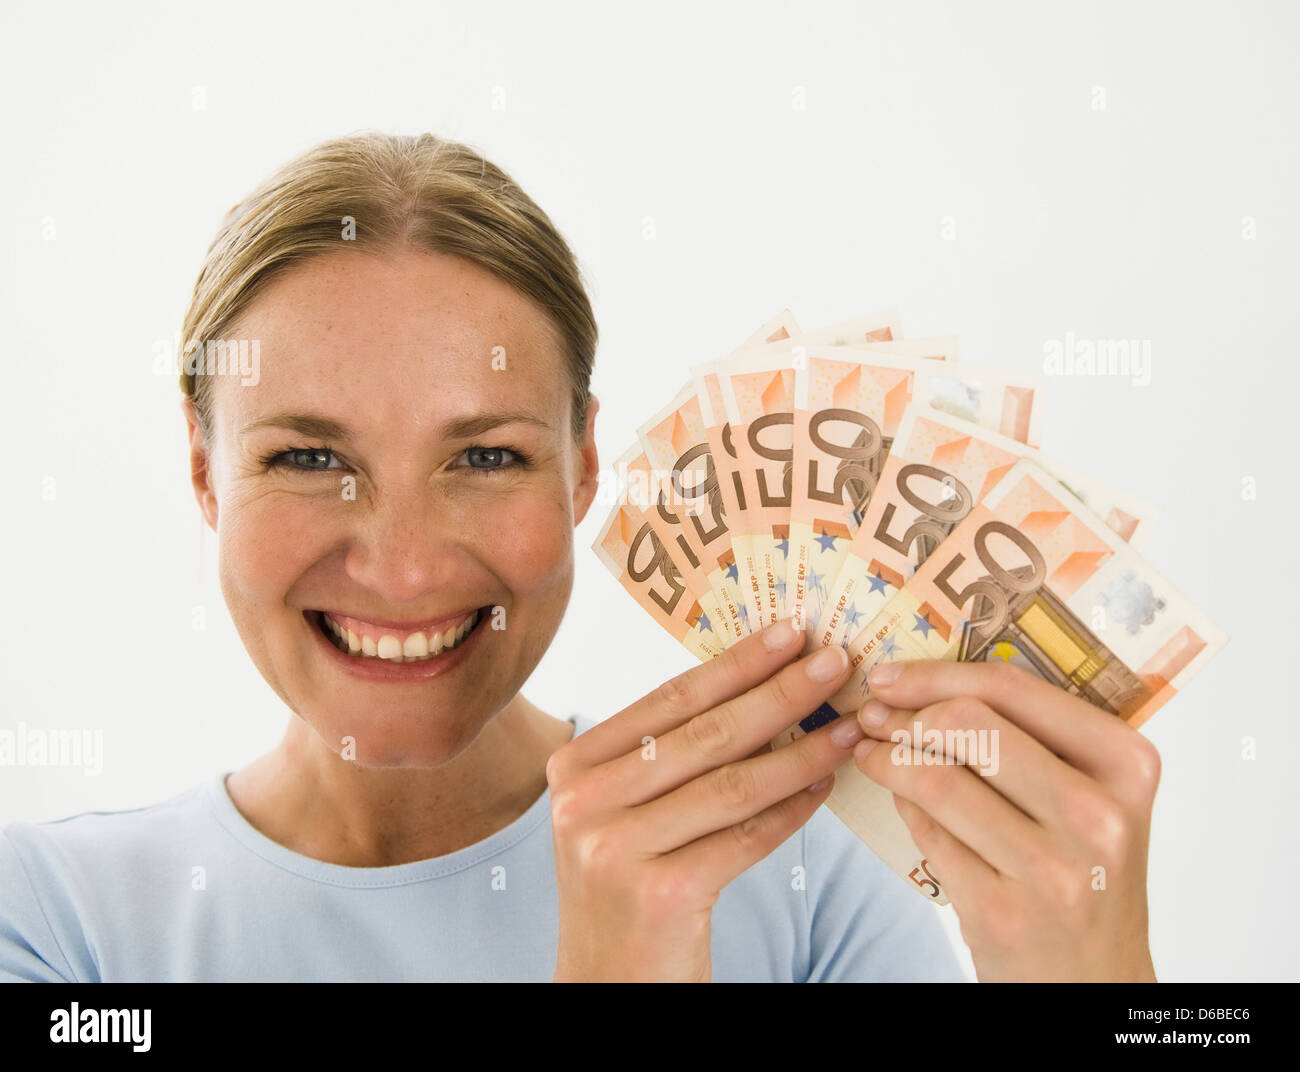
x=416, y=647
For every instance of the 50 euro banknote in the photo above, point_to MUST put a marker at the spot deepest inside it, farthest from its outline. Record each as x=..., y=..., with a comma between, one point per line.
x=681, y=440
x=848, y=407
x=1029, y=576
x=633, y=553
x=689, y=503
x=667, y=538
x=667, y=511
x=727, y=482
x=654, y=542
x=686, y=504
x=747, y=400
x=937, y=469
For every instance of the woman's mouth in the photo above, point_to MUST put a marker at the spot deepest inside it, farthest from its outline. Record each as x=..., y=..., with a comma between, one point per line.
x=366, y=640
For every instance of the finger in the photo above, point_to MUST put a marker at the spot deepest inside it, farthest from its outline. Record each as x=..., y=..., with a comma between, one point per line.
x=984, y=820
x=959, y=872
x=966, y=730
x=742, y=666
x=728, y=732
x=716, y=859
x=1083, y=735
x=729, y=794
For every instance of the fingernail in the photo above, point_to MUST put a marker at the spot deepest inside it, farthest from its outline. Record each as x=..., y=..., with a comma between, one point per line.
x=845, y=733
x=864, y=746
x=873, y=713
x=779, y=635
x=884, y=674
x=827, y=664
x=817, y=787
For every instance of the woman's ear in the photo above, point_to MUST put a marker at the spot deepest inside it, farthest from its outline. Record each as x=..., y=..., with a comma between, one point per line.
x=200, y=464
x=585, y=492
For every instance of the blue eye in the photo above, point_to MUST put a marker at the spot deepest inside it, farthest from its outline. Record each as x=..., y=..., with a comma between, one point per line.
x=491, y=458
x=321, y=459
x=308, y=459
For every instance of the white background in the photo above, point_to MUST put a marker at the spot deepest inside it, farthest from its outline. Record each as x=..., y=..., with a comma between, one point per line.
x=130, y=129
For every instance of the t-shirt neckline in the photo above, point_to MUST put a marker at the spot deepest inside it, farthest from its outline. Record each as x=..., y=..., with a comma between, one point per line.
x=233, y=821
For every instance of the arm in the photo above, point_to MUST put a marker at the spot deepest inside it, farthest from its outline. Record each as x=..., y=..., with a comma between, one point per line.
x=29, y=952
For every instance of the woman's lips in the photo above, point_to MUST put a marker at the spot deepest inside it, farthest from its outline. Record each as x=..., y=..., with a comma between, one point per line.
x=379, y=669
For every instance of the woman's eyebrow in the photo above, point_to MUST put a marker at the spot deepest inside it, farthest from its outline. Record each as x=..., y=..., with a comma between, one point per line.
x=478, y=423
x=307, y=424
x=317, y=426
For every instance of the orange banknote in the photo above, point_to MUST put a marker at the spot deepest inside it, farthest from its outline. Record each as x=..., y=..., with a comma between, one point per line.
x=709, y=380
x=937, y=469
x=847, y=407
x=687, y=507
x=651, y=489
x=1029, y=576
x=637, y=558
x=848, y=404
x=758, y=396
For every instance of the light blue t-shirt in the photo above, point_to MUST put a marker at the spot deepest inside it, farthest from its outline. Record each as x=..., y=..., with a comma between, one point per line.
x=120, y=897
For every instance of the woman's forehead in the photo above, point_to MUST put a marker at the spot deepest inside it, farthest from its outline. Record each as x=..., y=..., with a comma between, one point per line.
x=388, y=336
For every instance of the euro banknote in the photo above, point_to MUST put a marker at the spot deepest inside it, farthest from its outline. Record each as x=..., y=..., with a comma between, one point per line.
x=834, y=475
x=848, y=406
x=635, y=556
x=1031, y=577
x=689, y=501
x=937, y=469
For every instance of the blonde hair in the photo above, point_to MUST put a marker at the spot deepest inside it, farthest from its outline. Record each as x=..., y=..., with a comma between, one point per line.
x=420, y=192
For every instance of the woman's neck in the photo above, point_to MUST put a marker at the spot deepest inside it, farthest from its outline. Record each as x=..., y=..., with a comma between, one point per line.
x=310, y=800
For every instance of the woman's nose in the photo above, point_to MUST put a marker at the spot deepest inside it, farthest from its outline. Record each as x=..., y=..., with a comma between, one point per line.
x=405, y=545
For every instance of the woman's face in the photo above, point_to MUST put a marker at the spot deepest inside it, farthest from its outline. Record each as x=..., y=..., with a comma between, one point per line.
x=403, y=463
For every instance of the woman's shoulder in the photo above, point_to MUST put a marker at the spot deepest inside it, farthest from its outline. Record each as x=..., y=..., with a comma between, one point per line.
x=91, y=832
x=70, y=858
x=55, y=873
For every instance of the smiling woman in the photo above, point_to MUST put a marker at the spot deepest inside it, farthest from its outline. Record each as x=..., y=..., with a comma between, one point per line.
x=394, y=492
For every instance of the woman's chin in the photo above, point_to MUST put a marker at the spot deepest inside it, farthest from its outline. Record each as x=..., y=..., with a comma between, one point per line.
x=425, y=742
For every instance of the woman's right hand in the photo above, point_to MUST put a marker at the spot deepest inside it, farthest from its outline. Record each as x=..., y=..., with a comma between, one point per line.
x=648, y=832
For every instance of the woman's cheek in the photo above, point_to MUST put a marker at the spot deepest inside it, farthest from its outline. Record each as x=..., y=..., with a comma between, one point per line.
x=271, y=541
x=529, y=542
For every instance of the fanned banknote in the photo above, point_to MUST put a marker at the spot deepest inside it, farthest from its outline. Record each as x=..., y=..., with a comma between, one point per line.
x=938, y=468
x=652, y=490
x=639, y=561
x=1030, y=576
x=919, y=520
x=879, y=327
x=848, y=407
x=758, y=399
x=730, y=487
x=689, y=501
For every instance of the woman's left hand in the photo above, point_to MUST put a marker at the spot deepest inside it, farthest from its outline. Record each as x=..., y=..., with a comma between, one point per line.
x=1044, y=856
